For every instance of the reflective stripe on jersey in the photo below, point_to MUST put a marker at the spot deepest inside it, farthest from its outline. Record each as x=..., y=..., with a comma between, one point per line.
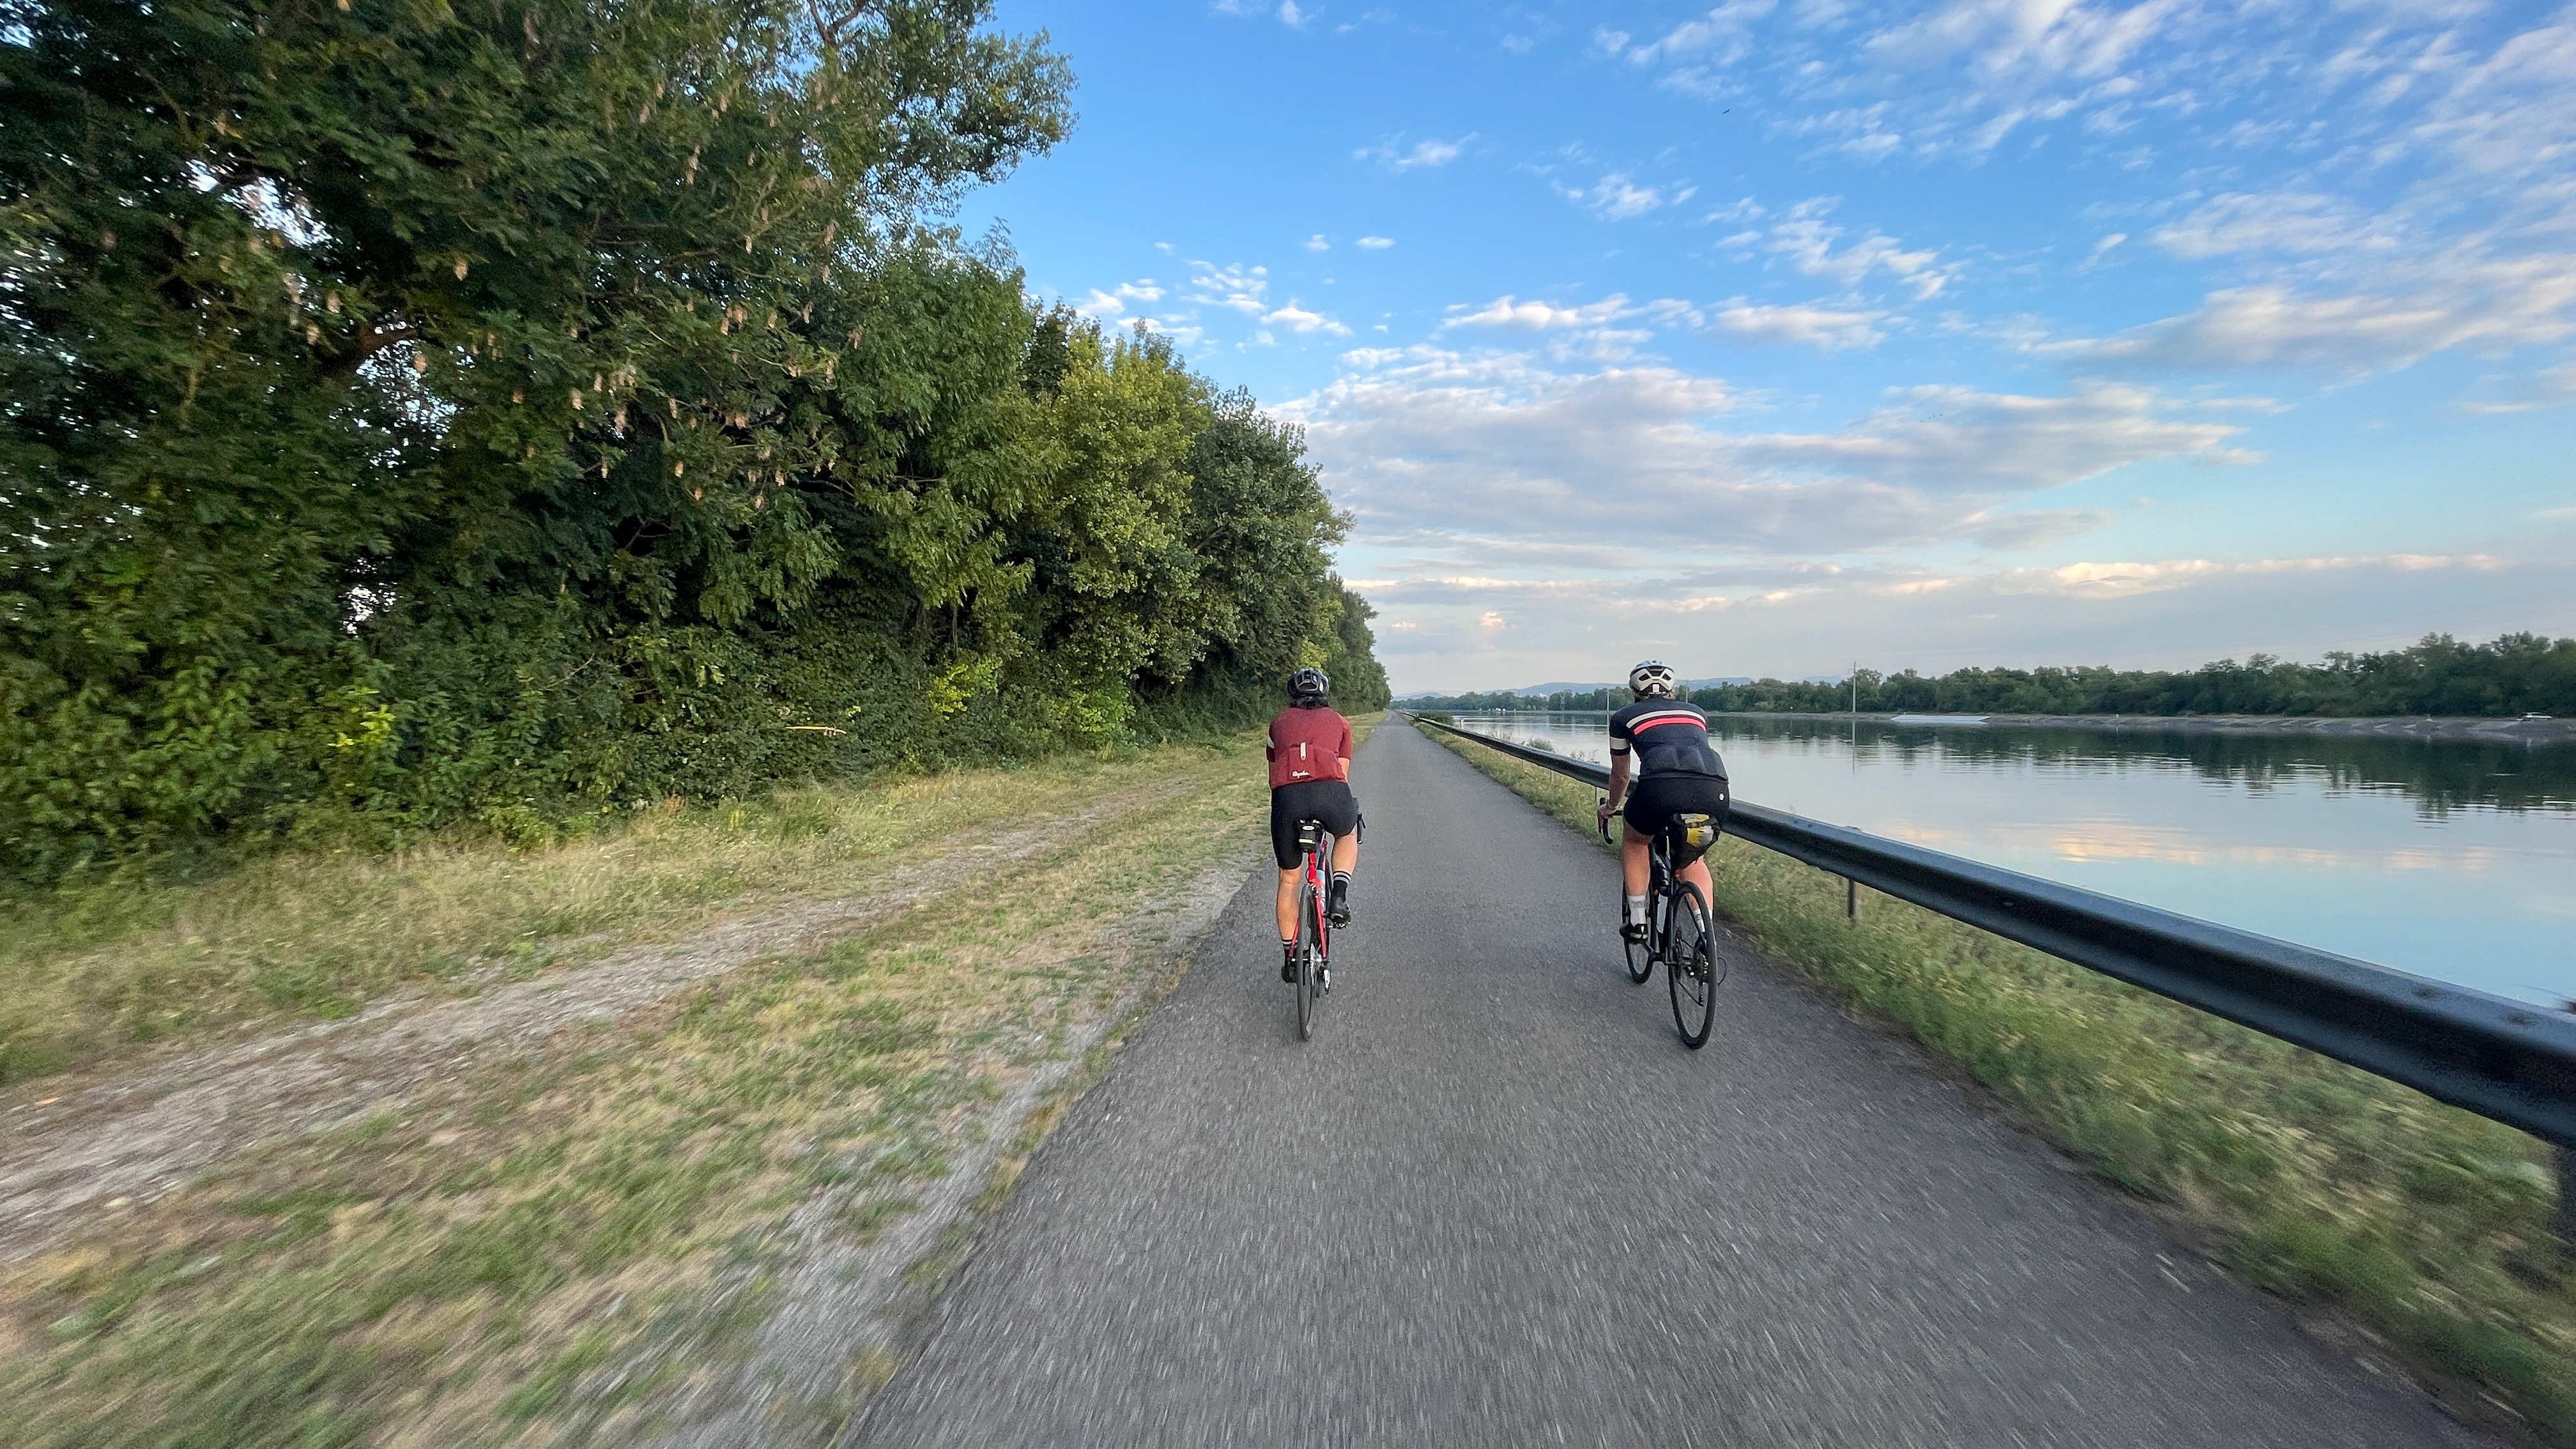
x=1655, y=719
x=1666, y=737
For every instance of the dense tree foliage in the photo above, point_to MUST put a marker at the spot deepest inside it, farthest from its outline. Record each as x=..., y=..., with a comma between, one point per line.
x=413, y=411
x=2439, y=675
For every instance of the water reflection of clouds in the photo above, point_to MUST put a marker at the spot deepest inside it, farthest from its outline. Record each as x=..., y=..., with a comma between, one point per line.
x=2394, y=851
x=2175, y=847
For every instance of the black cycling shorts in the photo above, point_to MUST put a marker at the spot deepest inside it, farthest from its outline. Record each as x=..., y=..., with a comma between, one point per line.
x=1656, y=799
x=1326, y=800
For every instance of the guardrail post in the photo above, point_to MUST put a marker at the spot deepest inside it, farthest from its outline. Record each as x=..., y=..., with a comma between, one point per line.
x=1851, y=899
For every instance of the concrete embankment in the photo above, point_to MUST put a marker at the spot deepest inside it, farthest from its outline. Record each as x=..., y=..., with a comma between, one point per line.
x=2470, y=729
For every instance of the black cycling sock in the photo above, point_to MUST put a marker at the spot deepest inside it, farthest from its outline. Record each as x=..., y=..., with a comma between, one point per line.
x=1342, y=878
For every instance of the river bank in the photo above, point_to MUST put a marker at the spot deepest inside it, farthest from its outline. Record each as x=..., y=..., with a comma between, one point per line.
x=2473, y=729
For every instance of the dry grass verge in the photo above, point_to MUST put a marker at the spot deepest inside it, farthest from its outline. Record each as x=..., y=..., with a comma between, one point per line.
x=2308, y=1177
x=93, y=973
x=571, y=1244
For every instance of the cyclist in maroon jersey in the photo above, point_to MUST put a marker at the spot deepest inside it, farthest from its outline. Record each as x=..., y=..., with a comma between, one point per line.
x=1678, y=772
x=1310, y=771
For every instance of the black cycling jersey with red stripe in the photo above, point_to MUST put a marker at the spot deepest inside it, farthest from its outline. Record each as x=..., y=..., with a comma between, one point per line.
x=1669, y=738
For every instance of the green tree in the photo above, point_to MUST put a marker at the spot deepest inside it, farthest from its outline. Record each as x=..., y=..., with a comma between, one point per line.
x=416, y=413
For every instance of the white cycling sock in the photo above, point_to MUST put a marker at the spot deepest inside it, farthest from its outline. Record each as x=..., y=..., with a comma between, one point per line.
x=1636, y=910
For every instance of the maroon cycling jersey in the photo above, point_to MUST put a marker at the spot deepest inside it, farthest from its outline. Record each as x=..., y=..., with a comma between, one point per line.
x=1308, y=744
x=1670, y=738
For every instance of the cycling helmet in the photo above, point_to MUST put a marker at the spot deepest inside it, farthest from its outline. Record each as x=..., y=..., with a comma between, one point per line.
x=1653, y=679
x=1308, y=686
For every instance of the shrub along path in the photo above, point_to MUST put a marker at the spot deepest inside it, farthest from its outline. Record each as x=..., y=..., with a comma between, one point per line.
x=1496, y=1202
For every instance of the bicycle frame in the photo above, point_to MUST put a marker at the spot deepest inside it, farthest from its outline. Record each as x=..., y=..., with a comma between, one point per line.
x=1313, y=966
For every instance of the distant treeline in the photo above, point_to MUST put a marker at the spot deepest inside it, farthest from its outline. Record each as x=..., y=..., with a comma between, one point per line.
x=424, y=414
x=2439, y=675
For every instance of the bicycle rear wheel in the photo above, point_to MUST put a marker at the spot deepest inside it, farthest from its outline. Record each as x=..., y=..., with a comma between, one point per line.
x=1690, y=965
x=1310, y=959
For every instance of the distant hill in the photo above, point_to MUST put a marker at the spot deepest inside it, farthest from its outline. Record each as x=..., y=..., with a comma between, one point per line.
x=1561, y=686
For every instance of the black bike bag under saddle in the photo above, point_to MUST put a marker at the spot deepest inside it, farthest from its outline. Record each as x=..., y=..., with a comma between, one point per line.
x=1690, y=834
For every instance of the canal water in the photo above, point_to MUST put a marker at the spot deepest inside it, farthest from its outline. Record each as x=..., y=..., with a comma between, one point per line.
x=2450, y=860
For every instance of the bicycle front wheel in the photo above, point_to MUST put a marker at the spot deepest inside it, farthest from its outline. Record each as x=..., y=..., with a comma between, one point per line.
x=1641, y=954
x=1690, y=966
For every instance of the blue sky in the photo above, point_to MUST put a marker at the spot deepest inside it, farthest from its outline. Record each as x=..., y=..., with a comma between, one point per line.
x=1788, y=333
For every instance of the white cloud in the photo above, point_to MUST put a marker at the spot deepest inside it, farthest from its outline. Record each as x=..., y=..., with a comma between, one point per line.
x=1817, y=248
x=1298, y=320
x=1826, y=328
x=1375, y=243
x=1721, y=37
x=1110, y=305
x=1437, y=443
x=1618, y=196
x=1287, y=12
x=1394, y=155
x=1237, y=287
x=2289, y=222
x=2491, y=306
x=2548, y=387
x=1316, y=243
x=1795, y=618
x=1538, y=316
x=1962, y=78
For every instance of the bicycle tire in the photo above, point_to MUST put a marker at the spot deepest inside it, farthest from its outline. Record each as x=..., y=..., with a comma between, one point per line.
x=1690, y=965
x=1309, y=968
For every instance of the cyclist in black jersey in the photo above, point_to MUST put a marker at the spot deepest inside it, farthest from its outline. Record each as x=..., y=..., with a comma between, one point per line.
x=1677, y=772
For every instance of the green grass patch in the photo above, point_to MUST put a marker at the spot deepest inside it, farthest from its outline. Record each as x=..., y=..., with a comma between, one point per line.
x=2317, y=1179
x=527, y=1254
x=91, y=971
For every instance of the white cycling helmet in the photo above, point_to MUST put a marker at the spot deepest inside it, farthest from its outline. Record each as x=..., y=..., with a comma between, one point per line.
x=1654, y=679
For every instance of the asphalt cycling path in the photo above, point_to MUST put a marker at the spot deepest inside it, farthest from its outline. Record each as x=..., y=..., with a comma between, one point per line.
x=1495, y=1202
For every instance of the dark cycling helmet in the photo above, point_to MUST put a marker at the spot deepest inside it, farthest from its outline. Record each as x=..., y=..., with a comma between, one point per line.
x=1308, y=686
x=1654, y=679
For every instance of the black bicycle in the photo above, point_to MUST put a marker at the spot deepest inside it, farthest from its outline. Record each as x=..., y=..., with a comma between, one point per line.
x=1678, y=930
x=1314, y=930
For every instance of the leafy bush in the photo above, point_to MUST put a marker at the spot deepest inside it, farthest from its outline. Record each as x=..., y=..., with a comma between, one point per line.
x=423, y=415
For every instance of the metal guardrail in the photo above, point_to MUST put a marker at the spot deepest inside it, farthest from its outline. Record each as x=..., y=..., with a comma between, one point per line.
x=2499, y=1058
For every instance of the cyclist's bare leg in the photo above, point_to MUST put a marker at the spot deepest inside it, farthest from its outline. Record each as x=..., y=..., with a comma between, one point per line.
x=1288, y=880
x=1346, y=854
x=1634, y=868
x=1697, y=874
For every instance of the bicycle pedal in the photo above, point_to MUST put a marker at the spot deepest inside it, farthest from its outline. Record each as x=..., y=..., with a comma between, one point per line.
x=1326, y=975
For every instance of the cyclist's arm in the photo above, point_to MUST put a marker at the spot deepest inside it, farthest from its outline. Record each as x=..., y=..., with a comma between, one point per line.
x=1618, y=783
